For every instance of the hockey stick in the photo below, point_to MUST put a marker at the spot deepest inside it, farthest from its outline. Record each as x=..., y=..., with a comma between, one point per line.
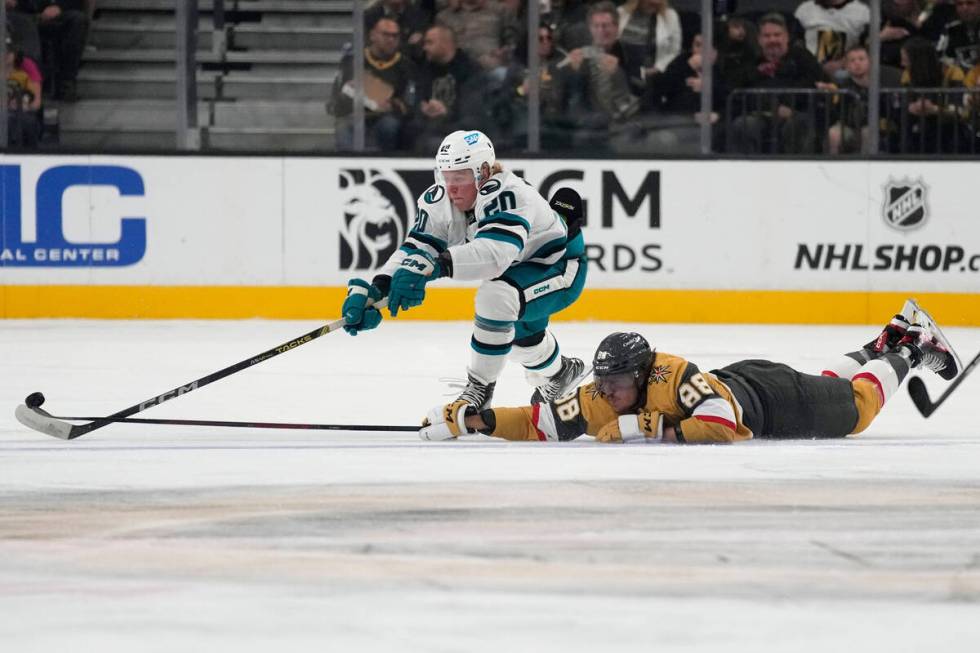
x=39, y=415
x=30, y=415
x=920, y=396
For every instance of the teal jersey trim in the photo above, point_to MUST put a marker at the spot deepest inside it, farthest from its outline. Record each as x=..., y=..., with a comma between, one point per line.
x=500, y=326
x=435, y=243
x=504, y=237
x=509, y=219
x=489, y=350
x=546, y=363
x=549, y=248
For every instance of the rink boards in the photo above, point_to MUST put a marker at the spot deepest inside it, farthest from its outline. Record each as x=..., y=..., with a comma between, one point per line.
x=669, y=241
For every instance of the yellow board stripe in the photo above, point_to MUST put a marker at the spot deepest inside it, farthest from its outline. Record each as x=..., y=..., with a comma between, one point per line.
x=312, y=303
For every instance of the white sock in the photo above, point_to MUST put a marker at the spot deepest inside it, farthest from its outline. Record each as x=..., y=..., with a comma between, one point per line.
x=847, y=365
x=886, y=373
x=541, y=361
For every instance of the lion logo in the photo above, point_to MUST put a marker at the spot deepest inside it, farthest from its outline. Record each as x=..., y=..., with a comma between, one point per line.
x=376, y=207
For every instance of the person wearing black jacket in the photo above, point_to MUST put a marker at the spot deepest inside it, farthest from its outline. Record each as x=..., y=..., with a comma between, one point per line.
x=781, y=117
x=959, y=42
x=389, y=75
x=63, y=25
x=678, y=88
x=449, y=91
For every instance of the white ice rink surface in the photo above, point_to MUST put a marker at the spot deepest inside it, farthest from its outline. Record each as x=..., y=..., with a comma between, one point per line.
x=146, y=538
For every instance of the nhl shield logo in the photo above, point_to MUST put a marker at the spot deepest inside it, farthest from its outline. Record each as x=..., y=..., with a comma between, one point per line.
x=905, y=205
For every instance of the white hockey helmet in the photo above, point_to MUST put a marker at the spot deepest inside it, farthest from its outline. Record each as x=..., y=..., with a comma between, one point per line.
x=465, y=150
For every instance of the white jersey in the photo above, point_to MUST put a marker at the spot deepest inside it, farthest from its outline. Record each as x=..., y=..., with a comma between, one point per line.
x=509, y=224
x=830, y=31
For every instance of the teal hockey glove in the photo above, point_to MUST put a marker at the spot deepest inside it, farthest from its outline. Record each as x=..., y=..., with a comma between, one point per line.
x=356, y=312
x=408, y=281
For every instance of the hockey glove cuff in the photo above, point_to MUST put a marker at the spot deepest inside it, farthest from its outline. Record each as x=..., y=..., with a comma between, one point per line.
x=647, y=426
x=447, y=422
x=357, y=311
x=408, y=281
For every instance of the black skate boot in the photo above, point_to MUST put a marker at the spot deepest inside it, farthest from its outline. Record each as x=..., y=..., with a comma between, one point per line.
x=894, y=331
x=927, y=347
x=572, y=373
x=477, y=393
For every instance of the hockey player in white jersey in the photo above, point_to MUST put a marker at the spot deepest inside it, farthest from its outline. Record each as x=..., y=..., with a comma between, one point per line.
x=480, y=222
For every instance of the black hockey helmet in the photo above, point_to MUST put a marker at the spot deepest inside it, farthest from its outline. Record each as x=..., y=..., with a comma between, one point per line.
x=623, y=360
x=622, y=353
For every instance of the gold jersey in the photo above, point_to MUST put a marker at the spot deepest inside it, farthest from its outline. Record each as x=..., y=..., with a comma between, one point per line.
x=699, y=406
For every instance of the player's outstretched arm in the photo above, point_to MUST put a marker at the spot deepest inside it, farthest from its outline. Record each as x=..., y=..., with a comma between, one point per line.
x=459, y=418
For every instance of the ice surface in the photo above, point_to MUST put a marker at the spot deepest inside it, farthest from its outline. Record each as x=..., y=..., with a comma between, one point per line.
x=145, y=538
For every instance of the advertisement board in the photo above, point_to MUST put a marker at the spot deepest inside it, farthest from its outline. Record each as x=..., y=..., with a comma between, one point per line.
x=780, y=241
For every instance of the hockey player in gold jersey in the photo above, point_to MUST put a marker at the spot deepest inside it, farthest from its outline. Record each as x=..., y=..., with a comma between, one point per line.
x=642, y=395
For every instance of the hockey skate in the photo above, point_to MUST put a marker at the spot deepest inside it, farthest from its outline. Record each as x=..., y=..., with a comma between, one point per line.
x=476, y=393
x=894, y=331
x=571, y=373
x=928, y=347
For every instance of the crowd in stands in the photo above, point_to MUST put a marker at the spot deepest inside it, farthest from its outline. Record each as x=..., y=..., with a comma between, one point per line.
x=44, y=44
x=625, y=76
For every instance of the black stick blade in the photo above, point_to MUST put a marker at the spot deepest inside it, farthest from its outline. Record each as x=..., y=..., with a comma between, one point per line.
x=920, y=396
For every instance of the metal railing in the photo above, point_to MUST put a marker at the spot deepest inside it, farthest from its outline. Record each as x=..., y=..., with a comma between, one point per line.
x=923, y=121
x=789, y=121
x=912, y=121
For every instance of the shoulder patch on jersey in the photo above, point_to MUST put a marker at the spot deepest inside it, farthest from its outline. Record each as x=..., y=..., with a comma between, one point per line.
x=490, y=187
x=434, y=194
x=659, y=374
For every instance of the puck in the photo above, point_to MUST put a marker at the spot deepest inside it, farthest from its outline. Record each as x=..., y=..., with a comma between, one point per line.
x=34, y=400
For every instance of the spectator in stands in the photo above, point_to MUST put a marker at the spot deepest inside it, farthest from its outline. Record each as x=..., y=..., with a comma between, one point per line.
x=930, y=123
x=679, y=87
x=412, y=22
x=449, y=90
x=388, y=77
x=781, y=116
x=23, y=97
x=487, y=32
x=554, y=93
x=830, y=27
x=650, y=33
x=849, y=133
x=571, y=24
x=605, y=104
x=63, y=25
x=738, y=50
x=22, y=27
x=923, y=68
x=933, y=18
x=959, y=42
x=900, y=20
